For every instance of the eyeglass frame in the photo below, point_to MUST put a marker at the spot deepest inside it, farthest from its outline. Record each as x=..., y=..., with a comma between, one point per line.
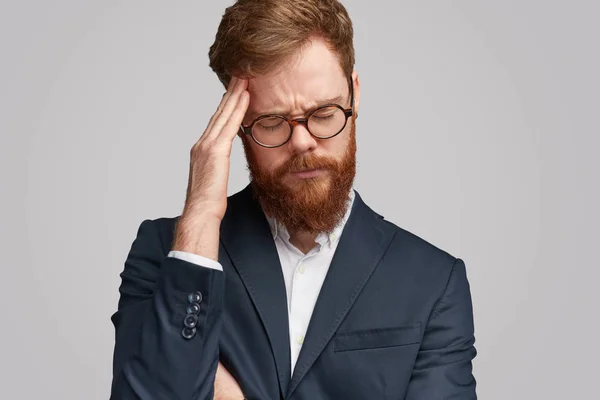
x=348, y=112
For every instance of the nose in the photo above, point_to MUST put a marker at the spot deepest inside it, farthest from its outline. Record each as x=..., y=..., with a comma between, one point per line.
x=301, y=140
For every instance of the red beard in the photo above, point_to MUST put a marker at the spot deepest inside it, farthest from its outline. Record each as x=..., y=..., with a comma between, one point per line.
x=312, y=205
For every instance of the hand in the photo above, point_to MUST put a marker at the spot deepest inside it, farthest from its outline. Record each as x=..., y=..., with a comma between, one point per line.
x=226, y=387
x=210, y=156
x=197, y=230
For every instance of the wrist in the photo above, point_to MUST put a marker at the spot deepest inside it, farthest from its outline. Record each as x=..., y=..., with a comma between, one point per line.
x=191, y=219
x=195, y=211
x=198, y=234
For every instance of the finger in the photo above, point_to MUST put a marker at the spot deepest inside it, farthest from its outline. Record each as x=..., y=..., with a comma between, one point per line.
x=227, y=97
x=230, y=88
x=233, y=84
x=228, y=109
x=232, y=126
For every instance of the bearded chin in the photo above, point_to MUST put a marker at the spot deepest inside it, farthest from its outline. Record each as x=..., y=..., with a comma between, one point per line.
x=313, y=205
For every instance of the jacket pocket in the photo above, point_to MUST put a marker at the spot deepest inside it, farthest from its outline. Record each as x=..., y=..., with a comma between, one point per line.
x=377, y=338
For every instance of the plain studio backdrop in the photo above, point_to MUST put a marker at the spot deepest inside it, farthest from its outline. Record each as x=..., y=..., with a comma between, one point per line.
x=478, y=131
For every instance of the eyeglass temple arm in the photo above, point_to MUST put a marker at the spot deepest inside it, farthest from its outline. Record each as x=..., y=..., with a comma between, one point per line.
x=351, y=111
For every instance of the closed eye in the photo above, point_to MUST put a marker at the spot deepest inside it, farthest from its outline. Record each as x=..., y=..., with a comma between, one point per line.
x=322, y=117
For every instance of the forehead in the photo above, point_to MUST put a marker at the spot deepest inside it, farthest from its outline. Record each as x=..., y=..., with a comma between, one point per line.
x=314, y=74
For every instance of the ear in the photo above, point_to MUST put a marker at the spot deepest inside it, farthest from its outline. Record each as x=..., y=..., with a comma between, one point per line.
x=356, y=86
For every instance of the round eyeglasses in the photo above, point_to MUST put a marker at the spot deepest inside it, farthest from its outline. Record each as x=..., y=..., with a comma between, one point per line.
x=324, y=122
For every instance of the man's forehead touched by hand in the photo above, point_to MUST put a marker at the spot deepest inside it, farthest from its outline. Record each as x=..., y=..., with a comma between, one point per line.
x=313, y=79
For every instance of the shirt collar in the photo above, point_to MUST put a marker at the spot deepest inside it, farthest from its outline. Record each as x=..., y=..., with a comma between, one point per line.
x=278, y=230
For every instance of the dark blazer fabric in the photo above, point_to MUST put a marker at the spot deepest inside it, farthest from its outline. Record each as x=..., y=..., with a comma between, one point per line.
x=393, y=319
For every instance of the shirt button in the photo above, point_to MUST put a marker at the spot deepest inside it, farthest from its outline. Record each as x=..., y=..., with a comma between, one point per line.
x=301, y=268
x=300, y=339
x=333, y=237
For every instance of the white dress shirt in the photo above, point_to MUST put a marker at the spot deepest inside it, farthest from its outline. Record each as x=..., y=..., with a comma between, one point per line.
x=303, y=274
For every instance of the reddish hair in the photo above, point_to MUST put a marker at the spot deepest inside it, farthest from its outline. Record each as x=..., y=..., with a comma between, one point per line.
x=256, y=37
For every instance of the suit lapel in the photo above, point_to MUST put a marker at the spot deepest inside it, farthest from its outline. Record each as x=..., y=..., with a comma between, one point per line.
x=364, y=240
x=246, y=237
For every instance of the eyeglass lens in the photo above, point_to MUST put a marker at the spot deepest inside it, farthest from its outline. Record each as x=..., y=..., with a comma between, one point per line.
x=323, y=123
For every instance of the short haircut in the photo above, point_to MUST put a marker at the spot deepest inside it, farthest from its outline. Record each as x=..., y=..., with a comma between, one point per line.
x=257, y=37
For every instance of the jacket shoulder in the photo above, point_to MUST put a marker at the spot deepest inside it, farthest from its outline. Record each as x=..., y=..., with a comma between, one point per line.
x=415, y=259
x=418, y=254
x=409, y=246
x=407, y=238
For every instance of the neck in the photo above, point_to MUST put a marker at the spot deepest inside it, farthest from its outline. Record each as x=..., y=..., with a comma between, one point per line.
x=303, y=241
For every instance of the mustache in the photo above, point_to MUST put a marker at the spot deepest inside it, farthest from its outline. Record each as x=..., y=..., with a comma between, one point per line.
x=298, y=163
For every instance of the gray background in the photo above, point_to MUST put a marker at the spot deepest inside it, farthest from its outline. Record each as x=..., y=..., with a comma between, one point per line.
x=478, y=131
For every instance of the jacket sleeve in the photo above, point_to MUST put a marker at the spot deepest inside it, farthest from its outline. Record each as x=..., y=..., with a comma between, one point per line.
x=167, y=324
x=443, y=368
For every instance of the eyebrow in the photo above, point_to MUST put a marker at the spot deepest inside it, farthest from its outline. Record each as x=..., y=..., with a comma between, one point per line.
x=253, y=114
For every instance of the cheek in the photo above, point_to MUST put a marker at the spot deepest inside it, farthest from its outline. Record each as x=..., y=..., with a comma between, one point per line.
x=336, y=146
x=267, y=159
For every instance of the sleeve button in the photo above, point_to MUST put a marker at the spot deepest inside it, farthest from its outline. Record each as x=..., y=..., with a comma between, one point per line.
x=195, y=297
x=193, y=308
x=190, y=321
x=188, y=333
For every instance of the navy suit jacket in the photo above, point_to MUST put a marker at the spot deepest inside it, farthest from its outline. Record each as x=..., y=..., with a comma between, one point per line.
x=393, y=319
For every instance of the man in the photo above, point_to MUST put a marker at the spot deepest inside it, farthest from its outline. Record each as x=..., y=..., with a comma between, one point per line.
x=292, y=288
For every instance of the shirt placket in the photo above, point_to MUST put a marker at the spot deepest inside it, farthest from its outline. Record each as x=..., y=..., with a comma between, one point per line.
x=301, y=296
